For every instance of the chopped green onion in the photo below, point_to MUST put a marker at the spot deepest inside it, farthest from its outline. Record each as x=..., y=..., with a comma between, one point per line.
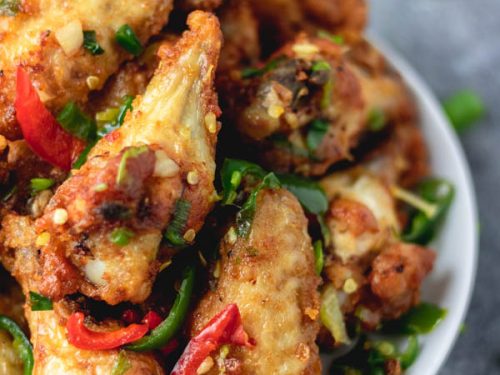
x=245, y=216
x=13, y=190
x=175, y=230
x=316, y=133
x=463, y=109
x=331, y=315
x=428, y=209
x=308, y=192
x=326, y=99
x=39, y=302
x=319, y=260
x=408, y=357
x=39, y=184
x=122, y=364
x=76, y=122
x=9, y=7
x=321, y=65
x=337, y=39
x=424, y=224
x=252, y=72
x=90, y=42
x=112, y=118
x=376, y=120
x=232, y=173
x=82, y=158
x=126, y=38
x=130, y=153
x=121, y=236
x=422, y=318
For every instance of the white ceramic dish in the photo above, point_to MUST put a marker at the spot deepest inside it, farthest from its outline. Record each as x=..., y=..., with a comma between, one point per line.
x=451, y=283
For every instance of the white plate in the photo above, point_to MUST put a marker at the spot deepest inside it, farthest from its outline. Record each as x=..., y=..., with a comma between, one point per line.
x=451, y=282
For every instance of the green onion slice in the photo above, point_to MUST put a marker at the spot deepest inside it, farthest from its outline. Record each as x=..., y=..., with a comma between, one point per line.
x=175, y=230
x=319, y=260
x=127, y=38
x=77, y=123
x=376, y=120
x=39, y=184
x=121, y=236
x=39, y=302
x=252, y=72
x=90, y=43
x=337, y=39
x=245, y=216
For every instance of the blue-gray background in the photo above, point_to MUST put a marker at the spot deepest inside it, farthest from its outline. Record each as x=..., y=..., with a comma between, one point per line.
x=455, y=44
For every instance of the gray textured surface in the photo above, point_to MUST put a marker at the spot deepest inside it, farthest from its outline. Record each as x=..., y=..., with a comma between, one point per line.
x=455, y=44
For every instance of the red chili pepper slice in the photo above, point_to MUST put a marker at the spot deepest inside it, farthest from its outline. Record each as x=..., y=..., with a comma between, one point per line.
x=40, y=129
x=224, y=328
x=83, y=338
x=152, y=319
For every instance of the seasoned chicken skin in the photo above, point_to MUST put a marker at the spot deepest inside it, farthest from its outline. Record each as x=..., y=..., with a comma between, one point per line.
x=283, y=19
x=53, y=353
x=313, y=102
x=157, y=169
x=271, y=277
x=46, y=36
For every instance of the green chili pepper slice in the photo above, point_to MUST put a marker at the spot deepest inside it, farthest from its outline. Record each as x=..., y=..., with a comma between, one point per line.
x=162, y=334
x=422, y=228
x=463, y=109
x=421, y=319
x=411, y=353
x=21, y=343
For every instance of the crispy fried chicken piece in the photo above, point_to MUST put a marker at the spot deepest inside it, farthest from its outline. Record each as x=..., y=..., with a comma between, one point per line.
x=402, y=159
x=52, y=352
x=135, y=178
x=46, y=38
x=396, y=276
x=271, y=277
x=240, y=28
x=283, y=19
x=377, y=275
x=313, y=103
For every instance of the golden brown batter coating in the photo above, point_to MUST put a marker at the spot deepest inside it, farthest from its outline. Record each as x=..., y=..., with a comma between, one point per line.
x=271, y=277
x=52, y=352
x=378, y=275
x=173, y=131
x=34, y=38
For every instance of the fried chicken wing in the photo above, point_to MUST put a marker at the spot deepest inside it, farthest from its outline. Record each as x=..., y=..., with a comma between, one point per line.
x=378, y=275
x=157, y=168
x=46, y=37
x=283, y=19
x=271, y=277
x=52, y=352
x=312, y=104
